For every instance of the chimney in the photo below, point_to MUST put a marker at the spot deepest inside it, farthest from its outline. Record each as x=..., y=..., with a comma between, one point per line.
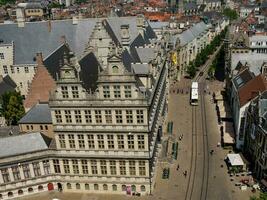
x=39, y=59
x=125, y=35
x=49, y=26
x=63, y=39
x=20, y=17
x=140, y=22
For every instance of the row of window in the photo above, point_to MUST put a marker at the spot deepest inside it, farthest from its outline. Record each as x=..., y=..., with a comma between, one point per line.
x=117, y=91
x=6, y=176
x=100, y=116
x=12, y=69
x=42, y=127
x=105, y=187
x=20, y=192
x=91, y=141
x=101, y=167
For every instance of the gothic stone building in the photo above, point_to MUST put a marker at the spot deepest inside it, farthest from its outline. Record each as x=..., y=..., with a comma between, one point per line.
x=107, y=127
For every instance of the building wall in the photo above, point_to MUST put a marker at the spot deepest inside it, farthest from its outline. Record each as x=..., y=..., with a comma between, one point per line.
x=46, y=129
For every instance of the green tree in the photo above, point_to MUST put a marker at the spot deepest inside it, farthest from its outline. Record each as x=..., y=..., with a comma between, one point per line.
x=4, y=2
x=263, y=196
x=12, y=107
x=191, y=70
x=231, y=14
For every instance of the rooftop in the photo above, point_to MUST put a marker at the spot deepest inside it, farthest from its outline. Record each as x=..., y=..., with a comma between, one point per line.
x=21, y=144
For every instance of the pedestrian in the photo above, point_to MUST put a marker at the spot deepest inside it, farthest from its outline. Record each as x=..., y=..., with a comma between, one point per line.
x=177, y=167
x=185, y=173
x=180, y=138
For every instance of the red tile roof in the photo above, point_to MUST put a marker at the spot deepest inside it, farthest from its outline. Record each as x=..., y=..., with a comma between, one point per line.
x=252, y=89
x=41, y=85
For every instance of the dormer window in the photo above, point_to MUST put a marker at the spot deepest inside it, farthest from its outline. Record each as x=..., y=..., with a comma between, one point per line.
x=115, y=69
x=64, y=90
x=75, y=92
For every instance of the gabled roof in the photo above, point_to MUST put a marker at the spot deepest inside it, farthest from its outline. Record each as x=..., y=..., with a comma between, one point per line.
x=252, y=89
x=21, y=144
x=40, y=114
x=38, y=37
x=145, y=54
x=140, y=69
x=242, y=78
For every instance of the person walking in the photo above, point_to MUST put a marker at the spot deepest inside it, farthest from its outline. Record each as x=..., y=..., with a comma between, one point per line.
x=177, y=168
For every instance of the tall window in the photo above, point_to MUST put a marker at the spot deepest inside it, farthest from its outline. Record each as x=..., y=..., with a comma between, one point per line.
x=129, y=116
x=64, y=91
x=5, y=69
x=78, y=116
x=122, y=168
x=26, y=69
x=142, y=168
x=71, y=141
x=127, y=91
x=75, y=166
x=117, y=91
x=66, y=166
x=58, y=116
x=62, y=142
x=75, y=92
x=103, y=167
x=68, y=116
x=118, y=116
x=140, y=116
x=56, y=166
x=81, y=141
x=91, y=141
x=120, y=139
x=36, y=169
x=108, y=116
x=12, y=69
x=110, y=141
x=141, y=141
x=113, y=168
x=16, y=174
x=46, y=165
x=130, y=142
x=84, y=167
x=98, y=116
x=26, y=170
x=2, y=56
x=5, y=175
x=88, y=116
x=106, y=91
x=94, y=166
x=100, y=140
x=132, y=168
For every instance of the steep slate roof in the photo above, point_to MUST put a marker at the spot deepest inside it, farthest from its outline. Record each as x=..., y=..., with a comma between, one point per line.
x=145, y=54
x=140, y=69
x=36, y=37
x=253, y=60
x=192, y=33
x=252, y=89
x=25, y=143
x=6, y=84
x=40, y=114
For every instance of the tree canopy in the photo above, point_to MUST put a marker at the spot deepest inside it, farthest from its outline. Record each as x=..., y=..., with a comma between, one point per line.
x=12, y=107
x=4, y=2
x=231, y=14
x=263, y=196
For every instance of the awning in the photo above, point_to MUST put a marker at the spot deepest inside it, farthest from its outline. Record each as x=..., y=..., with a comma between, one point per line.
x=235, y=159
x=228, y=133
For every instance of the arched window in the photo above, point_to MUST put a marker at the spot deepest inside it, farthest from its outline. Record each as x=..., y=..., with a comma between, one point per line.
x=115, y=69
x=78, y=186
x=40, y=187
x=68, y=186
x=114, y=187
x=86, y=186
x=20, y=192
x=96, y=187
x=143, y=188
x=123, y=187
x=30, y=190
x=10, y=194
x=105, y=187
x=133, y=188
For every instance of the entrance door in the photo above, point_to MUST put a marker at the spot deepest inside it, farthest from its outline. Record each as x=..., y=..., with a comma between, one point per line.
x=50, y=186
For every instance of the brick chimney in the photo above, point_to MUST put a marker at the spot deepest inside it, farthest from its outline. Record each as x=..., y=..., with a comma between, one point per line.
x=39, y=59
x=125, y=35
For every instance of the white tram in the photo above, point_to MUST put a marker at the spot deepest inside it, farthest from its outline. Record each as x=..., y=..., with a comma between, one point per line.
x=194, y=94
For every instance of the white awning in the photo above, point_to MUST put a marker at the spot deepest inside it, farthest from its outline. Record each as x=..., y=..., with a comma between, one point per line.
x=235, y=159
